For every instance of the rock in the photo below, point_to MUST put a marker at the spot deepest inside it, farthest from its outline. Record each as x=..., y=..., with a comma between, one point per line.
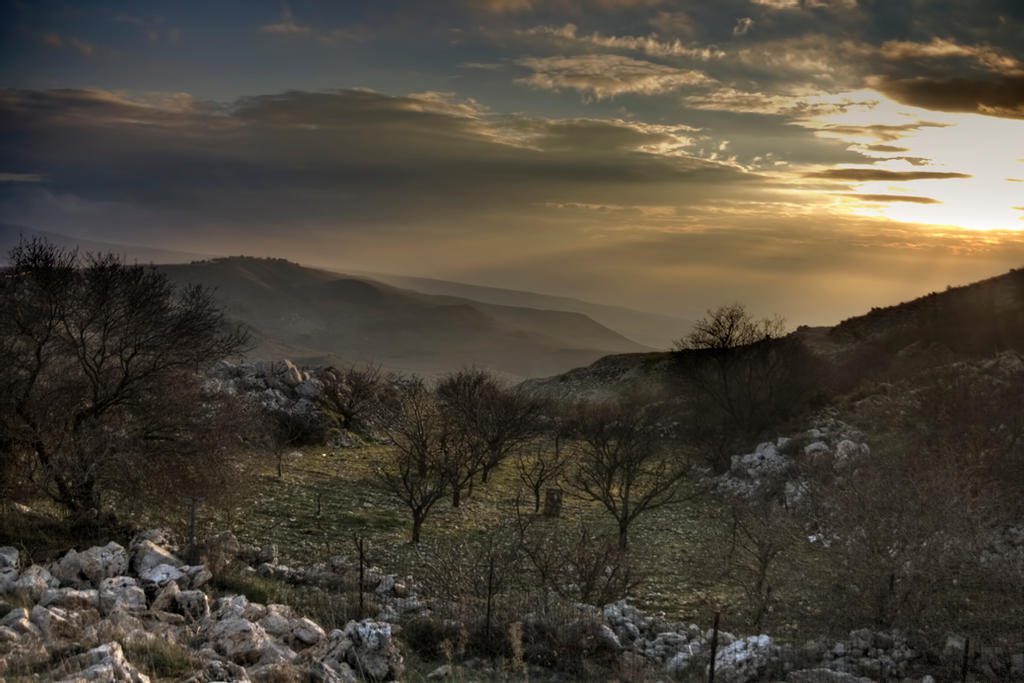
x=165, y=598
x=321, y=672
x=8, y=635
x=121, y=592
x=238, y=639
x=196, y=576
x=268, y=554
x=33, y=582
x=68, y=571
x=443, y=671
x=193, y=604
x=291, y=377
x=824, y=676
x=162, y=574
x=98, y=563
x=367, y=647
x=104, y=663
x=17, y=620
x=309, y=388
x=306, y=632
x=147, y=555
x=954, y=646
x=52, y=622
x=8, y=558
x=608, y=637
x=161, y=536
x=219, y=670
x=70, y=598
x=8, y=576
x=746, y=660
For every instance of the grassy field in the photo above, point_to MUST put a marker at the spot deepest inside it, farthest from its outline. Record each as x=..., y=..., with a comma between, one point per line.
x=326, y=498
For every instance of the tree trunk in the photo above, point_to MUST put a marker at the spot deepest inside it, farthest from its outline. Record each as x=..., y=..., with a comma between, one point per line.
x=417, y=525
x=623, y=535
x=456, y=496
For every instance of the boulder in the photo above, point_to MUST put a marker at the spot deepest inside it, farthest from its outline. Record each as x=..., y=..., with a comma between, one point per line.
x=8, y=558
x=68, y=571
x=238, y=639
x=51, y=621
x=193, y=604
x=121, y=592
x=306, y=632
x=104, y=663
x=70, y=598
x=33, y=582
x=291, y=376
x=146, y=555
x=195, y=576
x=368, y=648
x=17, y=620
x=165, y=598
x=102, y=562
x=747, y=660
x=824, y=676
x=162, y=574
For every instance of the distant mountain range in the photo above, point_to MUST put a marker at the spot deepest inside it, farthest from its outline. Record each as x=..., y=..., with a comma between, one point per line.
x=517, y=332
x=319, y=317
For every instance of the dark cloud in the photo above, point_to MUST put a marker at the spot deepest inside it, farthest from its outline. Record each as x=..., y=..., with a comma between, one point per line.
x=999, y=97
x=886, y=149
x=863, y=175
x=893, y=198
x=347, y=156
x=879, y=131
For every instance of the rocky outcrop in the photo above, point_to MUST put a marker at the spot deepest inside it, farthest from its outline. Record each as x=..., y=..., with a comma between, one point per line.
x=153, y=599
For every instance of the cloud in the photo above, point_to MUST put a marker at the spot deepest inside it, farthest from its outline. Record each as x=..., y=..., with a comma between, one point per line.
x=568, y=34
x=287, y=25
x=743, y=25
x=1003, y=97
x=606, y=75
x=84, y=48
x=807, y=4
x=863, y=175
x=346, y=157
x=22, y=178
x=892, y=198
x=885, y=132
x=516, y=6
x=940, y=48
x=803, y=105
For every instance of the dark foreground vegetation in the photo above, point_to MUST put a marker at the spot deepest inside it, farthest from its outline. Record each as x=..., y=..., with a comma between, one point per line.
x=864, y=478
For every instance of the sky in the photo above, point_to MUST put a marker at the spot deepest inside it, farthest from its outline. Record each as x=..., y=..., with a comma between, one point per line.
x=811, y=158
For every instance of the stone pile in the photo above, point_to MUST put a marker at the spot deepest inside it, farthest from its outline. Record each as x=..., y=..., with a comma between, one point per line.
x=77, y=617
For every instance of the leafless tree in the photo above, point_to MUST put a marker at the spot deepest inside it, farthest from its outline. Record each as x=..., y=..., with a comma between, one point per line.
x=360, y=395
x=98, y=357
x=418, y=470
x=544, y=460
x=623, y=462
x=488, y=422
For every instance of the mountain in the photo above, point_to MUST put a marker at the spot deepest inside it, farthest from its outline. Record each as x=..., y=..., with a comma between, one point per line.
x=11, y=235
x=650, y=329
x=971, y=321
x=316, y=317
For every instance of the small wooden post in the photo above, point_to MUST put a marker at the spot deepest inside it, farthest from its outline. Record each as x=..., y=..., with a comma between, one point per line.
x=192, y=501
x=963, y=667
x=553, y=503
x=361, y=548
x=714, y=649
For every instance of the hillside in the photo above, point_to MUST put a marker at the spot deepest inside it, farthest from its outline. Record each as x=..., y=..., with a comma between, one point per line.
x=974, y=320
x=319, y=317
x=651, y=329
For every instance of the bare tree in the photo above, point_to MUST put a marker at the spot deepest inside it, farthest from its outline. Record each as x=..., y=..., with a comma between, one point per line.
x=97, y=356
x=418, y=471
x=360, y=395
x=488, y=422
x=544, y=460
x=623, y=463
x=740, y=378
